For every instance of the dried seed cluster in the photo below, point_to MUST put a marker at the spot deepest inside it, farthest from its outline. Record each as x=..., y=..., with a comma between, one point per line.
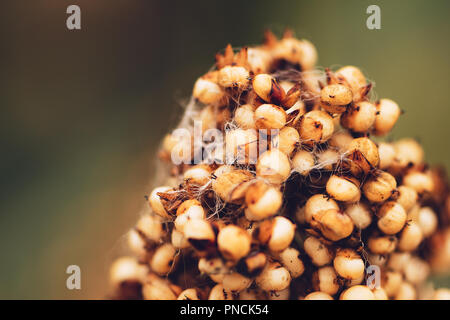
x=306, y=218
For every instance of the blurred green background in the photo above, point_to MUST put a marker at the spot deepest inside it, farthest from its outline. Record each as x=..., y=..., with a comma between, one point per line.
x=82, y=112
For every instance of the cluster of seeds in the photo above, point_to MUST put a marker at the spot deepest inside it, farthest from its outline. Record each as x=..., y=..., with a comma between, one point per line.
x=307, y=216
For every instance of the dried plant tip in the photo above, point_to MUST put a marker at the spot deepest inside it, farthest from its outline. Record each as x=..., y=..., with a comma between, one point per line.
x=362, y=156
x=268, y=89
x=156, y=203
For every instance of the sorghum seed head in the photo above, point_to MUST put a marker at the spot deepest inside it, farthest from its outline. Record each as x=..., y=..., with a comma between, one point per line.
x=235, y=282
x=421, y=182
x=379, y=187
x=416, y=271
x=233, y=242
x=207, y=91
x=200, y=234
x=335, y=98
x=427, y=221
x=318, y=203
x=391, y=217
x=277, y=233
x=340, y=140
x=319, y=253
x=325, y=280
x=156, y=288
x=410, y=237
x=178, y=240
x=199, y=174
x=151, y=227
x=274, y=166
x=380, y=294
x=359, y=117
x=163, y=259
x=441, y=294
x=407, y=152
x=252, y=265
x=288, y=139
x=233, y=77
x=155, y=201
x=328, y=158
x=360, y=214
x=358, y=292
x=227, y=181
x=189, y=294
x=268, y=89
x=270, y=116
x=241, y=146
x=406, y=291
x=387, y=154
x=407, y=197
x=274, y=277
x=244, y=117
x=333, y=224
x=362, y=155
x=188, y=210
x=348, y=264
x=218, y=292
x=263, y=201
x=382, y=244
x=387, y=115
x=259, y=60
x=343, y=188
x=317, y=295
x=303, y=162
x=290, y=259
x=316, y=127
x=353, y=77
x=398, y=261
x=212, y=266
x=391, y=282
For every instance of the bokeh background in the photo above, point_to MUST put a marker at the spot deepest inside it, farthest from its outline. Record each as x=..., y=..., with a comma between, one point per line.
x=82, y=112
